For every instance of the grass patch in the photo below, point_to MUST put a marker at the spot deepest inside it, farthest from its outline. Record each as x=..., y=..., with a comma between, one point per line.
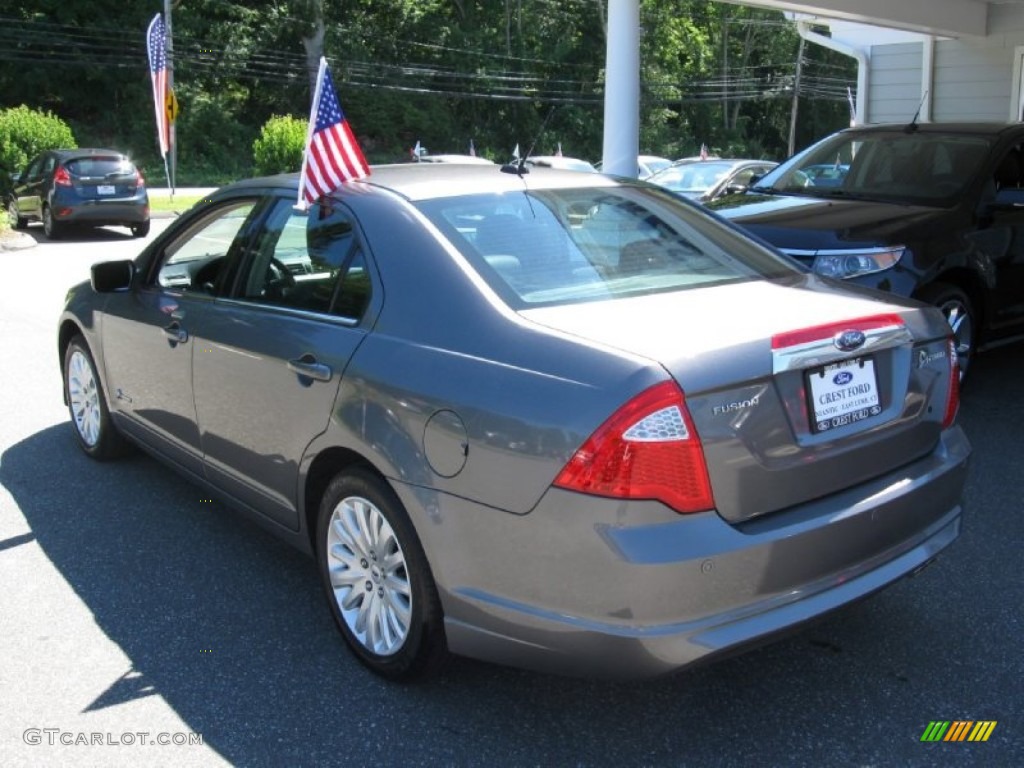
x=180, y=203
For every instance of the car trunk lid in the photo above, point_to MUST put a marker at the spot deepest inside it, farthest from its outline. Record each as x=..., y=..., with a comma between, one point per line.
x=795, y=392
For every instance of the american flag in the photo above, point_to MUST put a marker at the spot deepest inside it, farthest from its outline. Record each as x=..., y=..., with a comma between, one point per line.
x=156, y=45
x=332, y=154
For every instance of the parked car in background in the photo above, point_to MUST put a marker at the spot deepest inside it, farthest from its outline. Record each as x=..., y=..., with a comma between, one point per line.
x=552, y=419
x=560, y=162
x=460, y=159
x=933, y=211
x=79, y=187
x=704, y=180
x=646, y=165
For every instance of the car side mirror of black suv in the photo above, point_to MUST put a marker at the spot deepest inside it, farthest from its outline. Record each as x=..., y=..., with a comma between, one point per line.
x=111, y=276
x=1008, y=199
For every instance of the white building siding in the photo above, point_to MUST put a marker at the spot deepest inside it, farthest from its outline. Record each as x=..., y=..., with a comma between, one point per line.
x=895, y=82
x=973, y=79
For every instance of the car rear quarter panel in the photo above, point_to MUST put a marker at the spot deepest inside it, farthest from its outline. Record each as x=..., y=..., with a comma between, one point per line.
x=452, y=390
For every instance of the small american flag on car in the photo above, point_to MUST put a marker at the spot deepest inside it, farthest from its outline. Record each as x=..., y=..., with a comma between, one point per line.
x=332, y=154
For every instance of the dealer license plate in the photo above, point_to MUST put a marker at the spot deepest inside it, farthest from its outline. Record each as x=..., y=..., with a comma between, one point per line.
x=843, y=393
x=106, y=189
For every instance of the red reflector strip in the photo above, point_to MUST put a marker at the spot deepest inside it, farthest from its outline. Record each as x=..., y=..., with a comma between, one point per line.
x=828, y=330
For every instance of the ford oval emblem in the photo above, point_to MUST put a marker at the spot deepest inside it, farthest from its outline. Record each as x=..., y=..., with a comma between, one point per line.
x=847, y=341
x=842, y=378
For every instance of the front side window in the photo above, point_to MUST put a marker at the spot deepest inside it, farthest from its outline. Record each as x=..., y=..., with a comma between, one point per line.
x=586, y=244
x=197, y=260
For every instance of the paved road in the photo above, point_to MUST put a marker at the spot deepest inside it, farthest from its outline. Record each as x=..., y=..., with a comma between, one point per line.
x=128, y=605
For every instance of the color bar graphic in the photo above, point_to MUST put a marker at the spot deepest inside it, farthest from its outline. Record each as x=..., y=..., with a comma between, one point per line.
x=958, y=730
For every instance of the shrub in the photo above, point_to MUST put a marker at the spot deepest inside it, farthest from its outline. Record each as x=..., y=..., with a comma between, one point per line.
x=24, y=133
x=279, y=146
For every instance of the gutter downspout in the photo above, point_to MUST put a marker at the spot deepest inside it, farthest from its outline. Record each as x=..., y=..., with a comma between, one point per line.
x=803, y=28
x=927, y=78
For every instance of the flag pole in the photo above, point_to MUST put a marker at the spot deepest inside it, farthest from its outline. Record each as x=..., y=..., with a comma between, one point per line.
x=300, y=203
x=171, y=133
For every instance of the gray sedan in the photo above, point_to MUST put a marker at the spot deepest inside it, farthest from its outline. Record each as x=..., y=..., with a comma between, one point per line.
x=704, y=180
x=543, y=418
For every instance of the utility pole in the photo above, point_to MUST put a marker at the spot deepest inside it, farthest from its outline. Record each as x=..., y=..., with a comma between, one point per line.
x=796, y=97
x=172, y=139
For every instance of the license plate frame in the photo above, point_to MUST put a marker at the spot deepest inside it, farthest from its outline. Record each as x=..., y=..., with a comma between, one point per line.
x=842, y=393
x=106, y=189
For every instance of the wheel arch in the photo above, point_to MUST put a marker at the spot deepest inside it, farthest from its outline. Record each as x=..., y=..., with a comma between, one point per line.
x=67, y=331
x=970, y=283
x=324, y=467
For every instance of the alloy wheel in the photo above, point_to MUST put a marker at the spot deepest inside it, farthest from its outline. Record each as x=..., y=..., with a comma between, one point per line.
x=369, y=576
x=958, y=315
x=84, y=398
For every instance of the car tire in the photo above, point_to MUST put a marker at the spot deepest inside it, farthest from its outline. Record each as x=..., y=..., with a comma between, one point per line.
x=87, y=404
x=51, y=228
x=956, y=305
x=376, y=577
x=17, y=221
x=140, y=229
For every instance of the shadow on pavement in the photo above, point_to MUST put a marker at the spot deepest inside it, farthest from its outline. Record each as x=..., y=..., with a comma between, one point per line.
x=228, y=625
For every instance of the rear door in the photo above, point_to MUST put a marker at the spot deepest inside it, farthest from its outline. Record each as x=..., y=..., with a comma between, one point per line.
x=32, y=185
x=270, y=360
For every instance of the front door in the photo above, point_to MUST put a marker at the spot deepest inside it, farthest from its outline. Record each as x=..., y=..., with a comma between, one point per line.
x=149, y=335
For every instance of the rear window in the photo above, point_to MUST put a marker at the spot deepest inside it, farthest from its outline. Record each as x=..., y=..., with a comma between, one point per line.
x=570, y=245
x=100, y=166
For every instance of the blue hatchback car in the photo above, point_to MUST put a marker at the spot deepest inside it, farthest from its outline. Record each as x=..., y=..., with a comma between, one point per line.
x=86, y=187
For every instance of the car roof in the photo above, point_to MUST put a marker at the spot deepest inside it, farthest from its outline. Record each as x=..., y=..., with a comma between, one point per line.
x=426, y=181
x=80, y=152
x=982, y=128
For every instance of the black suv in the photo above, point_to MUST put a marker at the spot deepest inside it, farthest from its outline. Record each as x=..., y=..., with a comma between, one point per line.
x=933, y=211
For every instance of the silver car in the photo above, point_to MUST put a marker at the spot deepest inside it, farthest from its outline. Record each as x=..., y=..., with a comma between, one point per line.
x=548, y=419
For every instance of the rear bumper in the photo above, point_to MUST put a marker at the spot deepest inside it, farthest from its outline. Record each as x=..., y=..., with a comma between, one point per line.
x=102, y=212
x=630, y=590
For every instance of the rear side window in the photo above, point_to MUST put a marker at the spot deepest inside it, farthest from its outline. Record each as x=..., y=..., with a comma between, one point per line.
x=103, y=167
x=310, y=262
x=587, y=244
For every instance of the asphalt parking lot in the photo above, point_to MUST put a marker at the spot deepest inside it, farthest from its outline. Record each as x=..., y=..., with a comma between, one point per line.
x=131, y=605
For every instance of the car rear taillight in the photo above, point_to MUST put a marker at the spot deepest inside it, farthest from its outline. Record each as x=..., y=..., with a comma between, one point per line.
x=139, y=181
x=953, y=398
x=648, y=449
x=62, y=177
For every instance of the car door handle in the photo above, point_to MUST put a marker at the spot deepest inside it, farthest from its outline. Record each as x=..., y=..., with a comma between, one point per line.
x=308, y=366
x=176, y=333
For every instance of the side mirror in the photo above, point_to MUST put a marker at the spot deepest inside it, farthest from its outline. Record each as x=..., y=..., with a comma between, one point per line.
x=734, y=189
x=111, y=276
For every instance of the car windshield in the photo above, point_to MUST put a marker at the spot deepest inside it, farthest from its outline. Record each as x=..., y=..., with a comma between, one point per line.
x=588, y=244
x=913, y=167
x=696, y=177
